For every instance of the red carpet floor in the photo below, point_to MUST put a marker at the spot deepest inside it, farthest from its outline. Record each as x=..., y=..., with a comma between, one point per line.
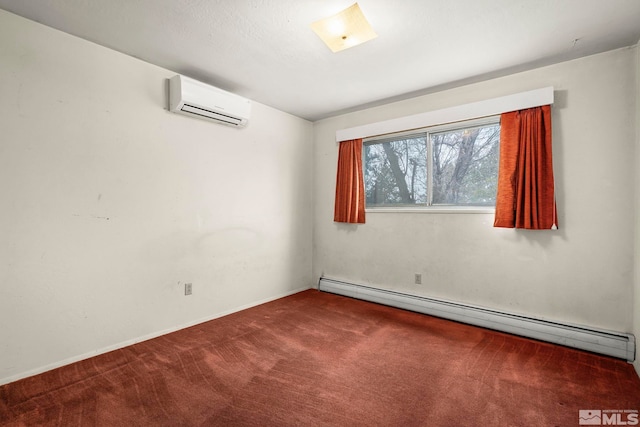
x=316, y=359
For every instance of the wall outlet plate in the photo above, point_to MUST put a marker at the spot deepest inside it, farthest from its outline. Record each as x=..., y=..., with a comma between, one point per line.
x=188, y=288
x=418, y=279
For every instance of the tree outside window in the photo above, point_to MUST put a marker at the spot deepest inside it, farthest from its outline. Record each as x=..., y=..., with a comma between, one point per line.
x=441, y=166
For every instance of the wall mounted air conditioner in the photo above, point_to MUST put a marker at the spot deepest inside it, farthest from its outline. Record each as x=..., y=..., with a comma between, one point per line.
x=196, y=99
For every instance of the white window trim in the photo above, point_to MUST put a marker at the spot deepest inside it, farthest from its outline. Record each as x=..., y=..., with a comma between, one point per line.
x=489, y=107
x=434, y=210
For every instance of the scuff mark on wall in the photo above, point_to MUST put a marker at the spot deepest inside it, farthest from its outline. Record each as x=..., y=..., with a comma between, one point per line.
x=106, y=218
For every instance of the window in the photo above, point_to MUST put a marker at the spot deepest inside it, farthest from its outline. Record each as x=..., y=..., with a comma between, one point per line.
x=449, y=165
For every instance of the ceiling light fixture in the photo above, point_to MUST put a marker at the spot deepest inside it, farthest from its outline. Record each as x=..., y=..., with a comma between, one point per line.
x=345, y=29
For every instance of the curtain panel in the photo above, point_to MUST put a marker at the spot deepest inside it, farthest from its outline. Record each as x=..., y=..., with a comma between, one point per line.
x=526, y=189
x=350, y=192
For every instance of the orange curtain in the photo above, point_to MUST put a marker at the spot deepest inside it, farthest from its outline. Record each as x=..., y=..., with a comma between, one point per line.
x=526, y=193
x=350, y=193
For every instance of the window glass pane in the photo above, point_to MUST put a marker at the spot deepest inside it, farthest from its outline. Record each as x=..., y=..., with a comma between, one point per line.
x=442, y=166
x=465, y=166
x=396, y=172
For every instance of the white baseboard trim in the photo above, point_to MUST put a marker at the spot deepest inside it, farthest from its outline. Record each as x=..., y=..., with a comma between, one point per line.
x=87, y=355
x=617, y=344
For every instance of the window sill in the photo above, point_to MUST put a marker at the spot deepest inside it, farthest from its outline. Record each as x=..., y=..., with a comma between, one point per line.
x=435, y=210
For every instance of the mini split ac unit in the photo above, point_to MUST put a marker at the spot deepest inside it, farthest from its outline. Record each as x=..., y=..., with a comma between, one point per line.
x=194, y=98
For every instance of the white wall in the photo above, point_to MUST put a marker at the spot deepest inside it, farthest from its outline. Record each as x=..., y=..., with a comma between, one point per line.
x=582, y=273
x=110, y=203
x=636, y=288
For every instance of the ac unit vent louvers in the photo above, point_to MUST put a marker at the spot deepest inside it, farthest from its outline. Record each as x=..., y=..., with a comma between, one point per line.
x=208, y=114
x=197, y=99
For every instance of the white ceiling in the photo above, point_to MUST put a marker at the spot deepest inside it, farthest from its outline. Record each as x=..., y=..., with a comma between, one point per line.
x=265, y=50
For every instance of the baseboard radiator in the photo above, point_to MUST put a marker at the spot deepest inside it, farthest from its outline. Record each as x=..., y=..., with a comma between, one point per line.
x=616, y=344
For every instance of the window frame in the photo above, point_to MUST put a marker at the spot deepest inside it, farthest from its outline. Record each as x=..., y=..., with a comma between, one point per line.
x=426, y=132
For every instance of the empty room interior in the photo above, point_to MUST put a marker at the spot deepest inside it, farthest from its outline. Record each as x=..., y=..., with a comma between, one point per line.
x=173, y=269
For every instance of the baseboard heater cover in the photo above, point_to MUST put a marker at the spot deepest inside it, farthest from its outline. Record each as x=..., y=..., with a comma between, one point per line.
x=616, y=344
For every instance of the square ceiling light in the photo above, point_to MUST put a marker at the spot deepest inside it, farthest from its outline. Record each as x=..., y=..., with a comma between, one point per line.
x=345, y=29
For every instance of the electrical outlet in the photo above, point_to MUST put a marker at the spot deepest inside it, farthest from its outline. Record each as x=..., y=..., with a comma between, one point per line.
x=187, y=289
x=418, y=279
